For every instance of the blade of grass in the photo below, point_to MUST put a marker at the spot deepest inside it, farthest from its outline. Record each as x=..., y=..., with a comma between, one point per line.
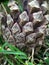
x=9, y=61
x=20, y=5
x=12, y=47
x=22, y=57
x=18, y=58
x=11, y=52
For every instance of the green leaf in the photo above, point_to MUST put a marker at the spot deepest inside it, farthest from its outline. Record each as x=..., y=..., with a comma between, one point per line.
x=48, y=26
x=22, y=57
x=5, y=5
x=11, y=52
x=1, y=40
x=47, y=54
x=3, y=0
x=20, y=4
x=9, y=61
x=39, y=64
x=47, y=61
x=30, y=63
x=20, y=60
x=13, y=48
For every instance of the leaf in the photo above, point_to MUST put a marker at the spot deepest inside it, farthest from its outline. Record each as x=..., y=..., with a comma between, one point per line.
x=30, y=63
x=9, y=61
x=47, y=61
x=5, y=5
x=47, y=25
x=47, y=54
x=3, y=0
x=22, y=57
x=1, y=40
x=20, y=4
x=13, y=48
x=20, y=60
x=11, y=52
x=38, y=64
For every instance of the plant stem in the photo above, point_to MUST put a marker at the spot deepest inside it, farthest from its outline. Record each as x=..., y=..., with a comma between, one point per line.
x=4, y=8
x=32, y=55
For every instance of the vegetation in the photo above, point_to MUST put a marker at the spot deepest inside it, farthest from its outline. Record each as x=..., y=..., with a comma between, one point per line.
x=10, y=55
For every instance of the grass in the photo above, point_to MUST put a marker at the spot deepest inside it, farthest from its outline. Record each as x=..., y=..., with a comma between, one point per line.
x=14, y=56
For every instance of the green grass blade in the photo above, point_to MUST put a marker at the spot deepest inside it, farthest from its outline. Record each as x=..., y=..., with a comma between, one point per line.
x=9, y=61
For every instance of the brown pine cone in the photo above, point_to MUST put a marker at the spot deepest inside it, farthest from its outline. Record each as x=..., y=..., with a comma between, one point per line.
x=20, y=30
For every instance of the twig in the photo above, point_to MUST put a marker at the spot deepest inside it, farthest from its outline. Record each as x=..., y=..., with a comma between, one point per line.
x=4, y=8
x=36, y=59
x=45, y=51
x=32, y=55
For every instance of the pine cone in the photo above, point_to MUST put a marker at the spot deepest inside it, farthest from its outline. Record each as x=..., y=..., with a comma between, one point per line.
x=27, y=28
